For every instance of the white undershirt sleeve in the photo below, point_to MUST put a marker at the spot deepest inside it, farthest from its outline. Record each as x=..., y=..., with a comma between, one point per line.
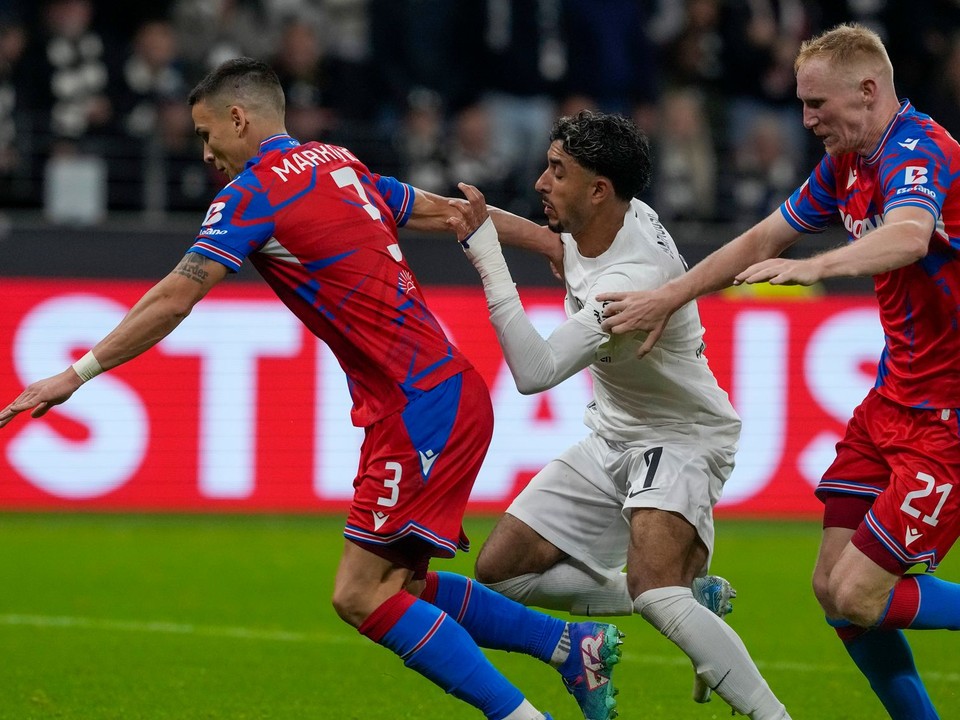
x=536, y=363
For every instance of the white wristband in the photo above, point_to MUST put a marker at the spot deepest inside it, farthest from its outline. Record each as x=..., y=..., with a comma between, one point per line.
x=87, y=367
x=483, y=250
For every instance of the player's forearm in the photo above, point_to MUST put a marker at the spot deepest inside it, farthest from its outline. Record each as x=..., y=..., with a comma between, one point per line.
x=717, y=271
x=886, y=248
x=154, y=317
x=536, y=363
x=520, y=232
x=430, y=212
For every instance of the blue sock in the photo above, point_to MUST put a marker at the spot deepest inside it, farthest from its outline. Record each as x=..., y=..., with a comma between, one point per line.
x=885, y=659
x=493, y=620
x=430, y=642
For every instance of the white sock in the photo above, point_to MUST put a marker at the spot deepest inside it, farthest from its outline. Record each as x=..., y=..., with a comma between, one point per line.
x=717, y=652
x=571, y=587
x=562, y=651
x=525, y=711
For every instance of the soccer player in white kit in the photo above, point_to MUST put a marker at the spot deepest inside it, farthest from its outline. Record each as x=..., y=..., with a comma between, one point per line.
x=639, y=490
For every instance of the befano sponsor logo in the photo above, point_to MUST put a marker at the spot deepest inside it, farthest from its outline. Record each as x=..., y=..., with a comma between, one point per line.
x=860, y=227
x=213, y=231
x=917, y=188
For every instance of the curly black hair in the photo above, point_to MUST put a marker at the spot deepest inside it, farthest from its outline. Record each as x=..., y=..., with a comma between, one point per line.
x=608, y=145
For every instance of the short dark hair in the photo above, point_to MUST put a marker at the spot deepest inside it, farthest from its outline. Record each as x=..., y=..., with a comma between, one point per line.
x=246, y=80
x=608, y=145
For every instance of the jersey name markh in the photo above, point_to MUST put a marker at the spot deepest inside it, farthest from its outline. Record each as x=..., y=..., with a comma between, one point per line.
x=300, y=160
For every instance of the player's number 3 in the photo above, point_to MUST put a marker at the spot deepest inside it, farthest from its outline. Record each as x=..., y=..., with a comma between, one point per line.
x=347, y=177
x=391, y=484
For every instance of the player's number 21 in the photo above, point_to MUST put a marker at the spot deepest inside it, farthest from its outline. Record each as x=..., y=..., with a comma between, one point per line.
x=931, y=485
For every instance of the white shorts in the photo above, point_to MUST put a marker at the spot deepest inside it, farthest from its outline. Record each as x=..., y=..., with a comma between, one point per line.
x=582, y=501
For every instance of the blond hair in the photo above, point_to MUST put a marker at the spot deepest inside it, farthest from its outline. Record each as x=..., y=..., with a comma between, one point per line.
x=847, y=46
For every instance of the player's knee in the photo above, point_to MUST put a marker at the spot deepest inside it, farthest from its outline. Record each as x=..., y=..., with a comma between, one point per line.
x=855, y=603
x=821, y=590
x=349, y=606
x=490, y=569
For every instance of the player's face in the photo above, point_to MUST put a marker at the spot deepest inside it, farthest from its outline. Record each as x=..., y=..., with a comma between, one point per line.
x=833, y=107
x=565, y=189
x=222, y=145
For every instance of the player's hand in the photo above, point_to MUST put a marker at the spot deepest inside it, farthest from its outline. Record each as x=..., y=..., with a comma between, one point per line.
x=626, y=312
x=469, y=214
x=780, y=271
x=42, y=395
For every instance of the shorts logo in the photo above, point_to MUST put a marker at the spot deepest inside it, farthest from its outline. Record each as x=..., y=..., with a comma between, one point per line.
x=915, y=175
x=214, y=214
x=426, y=461
x=912, y=534
x=379, y=519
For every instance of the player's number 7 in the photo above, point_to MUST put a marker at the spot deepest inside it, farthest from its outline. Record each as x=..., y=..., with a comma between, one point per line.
x=347, y=177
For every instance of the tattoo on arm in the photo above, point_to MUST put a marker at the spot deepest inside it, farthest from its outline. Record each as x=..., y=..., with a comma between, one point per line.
x=193, y=267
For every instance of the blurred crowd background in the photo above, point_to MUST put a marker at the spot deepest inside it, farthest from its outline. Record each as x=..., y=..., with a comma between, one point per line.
x=92, y=94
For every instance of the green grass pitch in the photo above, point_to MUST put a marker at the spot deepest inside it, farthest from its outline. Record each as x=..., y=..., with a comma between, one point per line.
x=199, y=617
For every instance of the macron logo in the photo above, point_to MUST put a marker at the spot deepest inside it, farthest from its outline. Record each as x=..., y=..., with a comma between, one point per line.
x=915, y=175
x=912, y=535
x=909, y=143
x=852, y=178
x=426, y=461
x=379, y=519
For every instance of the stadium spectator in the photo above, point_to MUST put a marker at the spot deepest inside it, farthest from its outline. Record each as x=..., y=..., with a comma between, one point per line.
x=760, y=38
x=420, y=141
x=613, y=62
x=152, y=74
x=332, y=256
x=65, y=79
x=13, y=170
x=763, y=171
x=890, y=496
x=472, y=157
x=639, y=490
x=211, y=31
x=522, y=72
x=299, y=62
x=685, y=186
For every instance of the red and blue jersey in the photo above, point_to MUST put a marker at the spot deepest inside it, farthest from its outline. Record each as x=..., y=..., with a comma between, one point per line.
x=322, y=231
x=917, y=163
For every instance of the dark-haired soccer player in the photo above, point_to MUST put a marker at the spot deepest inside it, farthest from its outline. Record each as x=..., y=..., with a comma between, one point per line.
x=639, y=490
x=322, y=231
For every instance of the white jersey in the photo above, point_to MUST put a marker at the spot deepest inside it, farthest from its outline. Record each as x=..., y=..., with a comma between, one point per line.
x=672, y=385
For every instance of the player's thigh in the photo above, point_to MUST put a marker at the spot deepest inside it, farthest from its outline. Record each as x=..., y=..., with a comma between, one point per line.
x=905, y=464
x=575, y=505
x=665, y=550
x=512, y=549
x=832, y=544
x=682, y=479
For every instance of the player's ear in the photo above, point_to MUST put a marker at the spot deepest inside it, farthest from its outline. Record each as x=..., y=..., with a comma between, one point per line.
x=239, y=119
x=602, y=188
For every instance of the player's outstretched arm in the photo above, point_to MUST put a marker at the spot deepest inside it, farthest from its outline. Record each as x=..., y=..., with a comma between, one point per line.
x=651, y=310
x=433, y=213
x=154, y=317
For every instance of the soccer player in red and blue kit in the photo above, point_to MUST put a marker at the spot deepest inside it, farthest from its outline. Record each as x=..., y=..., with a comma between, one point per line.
x=892, y=495
x=322, y=231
